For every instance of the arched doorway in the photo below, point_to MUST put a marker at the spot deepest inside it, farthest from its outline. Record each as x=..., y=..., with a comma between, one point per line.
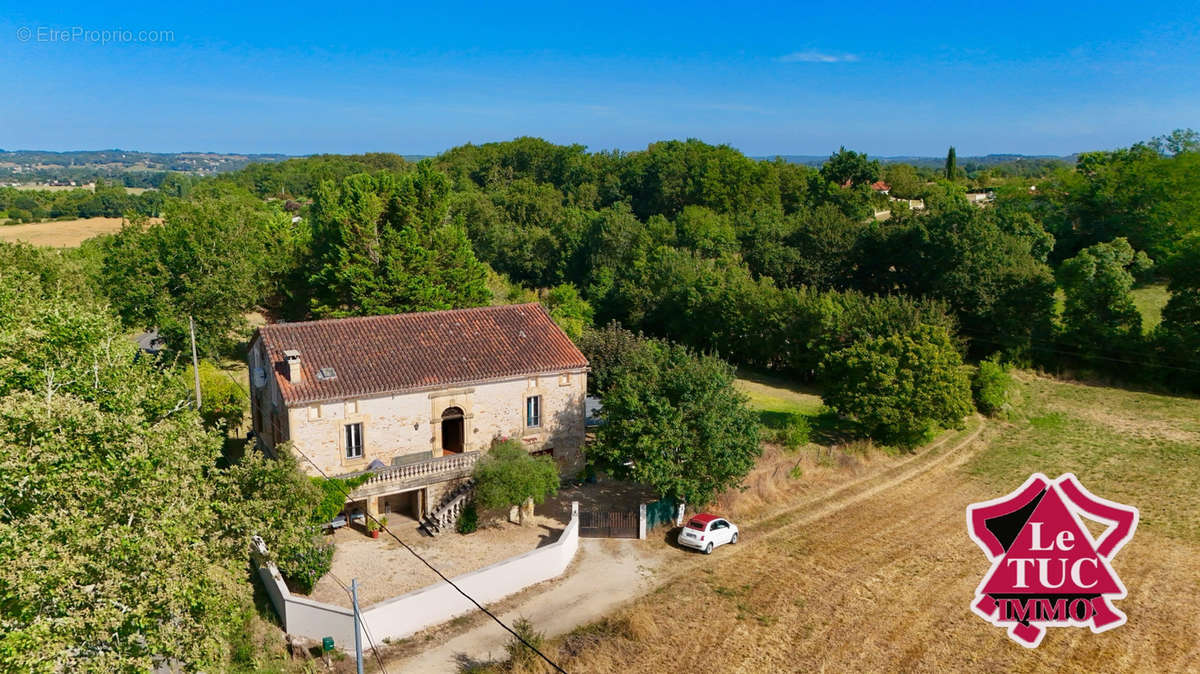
x=452, y=430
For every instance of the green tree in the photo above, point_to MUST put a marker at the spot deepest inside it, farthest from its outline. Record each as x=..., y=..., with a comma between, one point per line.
x=1145, y=193
x=95, y=577
x=124, y=542
x=608, y=350
x=274, y=499
x=508, y=475
x=992, y=387
x=521, y=228
x=207, y=259
x=301, y=176
x=706, y=232
x=383, y=245
x=1178, y=335
x=670, y=175
x=223, y=402
x=60, y=272
x=521, y=657
x=615, y=261
x=903, y=181
x=1002, y=296
x=824, y=242
x=1099, y=316
x=899, y=388
x=951, y=164
x=1177, y=142
x=847, y=167
x=333, y=496
x=675, y=422
x=569, y=310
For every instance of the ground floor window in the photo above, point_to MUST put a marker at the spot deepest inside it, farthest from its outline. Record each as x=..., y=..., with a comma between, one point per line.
x=549, y=451
x=354, y=444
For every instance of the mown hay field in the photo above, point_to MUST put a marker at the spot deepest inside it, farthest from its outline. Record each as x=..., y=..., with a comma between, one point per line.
x=885, y=582
x=60, y=233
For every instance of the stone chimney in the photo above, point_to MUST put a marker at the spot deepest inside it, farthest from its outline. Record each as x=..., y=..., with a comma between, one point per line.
x=292, y=358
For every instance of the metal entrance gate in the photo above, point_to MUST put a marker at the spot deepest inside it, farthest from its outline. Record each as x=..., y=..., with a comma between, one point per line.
x=593, y=524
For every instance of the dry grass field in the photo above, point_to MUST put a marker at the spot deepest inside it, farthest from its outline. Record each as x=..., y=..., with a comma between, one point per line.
x=61, y=233
x=878, y=573
x=91, y=187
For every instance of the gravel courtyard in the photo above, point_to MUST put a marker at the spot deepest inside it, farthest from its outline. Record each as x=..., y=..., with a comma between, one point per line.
x=385, y=570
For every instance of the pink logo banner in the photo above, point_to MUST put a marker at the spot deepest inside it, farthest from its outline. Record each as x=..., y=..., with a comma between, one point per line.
x=1047, y=569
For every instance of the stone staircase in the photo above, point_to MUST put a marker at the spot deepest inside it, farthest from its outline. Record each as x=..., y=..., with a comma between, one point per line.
x=445, y=516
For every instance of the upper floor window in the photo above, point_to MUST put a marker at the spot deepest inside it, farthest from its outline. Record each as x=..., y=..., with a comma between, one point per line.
x=533, y=411
x=354, y=443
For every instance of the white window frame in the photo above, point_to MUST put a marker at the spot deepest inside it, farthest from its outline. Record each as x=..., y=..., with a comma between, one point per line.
x=533, y=411
x=353, y=434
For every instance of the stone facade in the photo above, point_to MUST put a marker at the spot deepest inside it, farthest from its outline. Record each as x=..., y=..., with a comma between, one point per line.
x=409, y=427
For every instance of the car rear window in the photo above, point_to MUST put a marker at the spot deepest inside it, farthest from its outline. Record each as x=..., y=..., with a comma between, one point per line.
x=696, y=524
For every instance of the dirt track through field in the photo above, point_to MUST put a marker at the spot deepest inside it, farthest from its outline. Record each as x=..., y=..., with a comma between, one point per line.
x=876, y=574
x=602, y=582
x=881, y=580
x=867, y=486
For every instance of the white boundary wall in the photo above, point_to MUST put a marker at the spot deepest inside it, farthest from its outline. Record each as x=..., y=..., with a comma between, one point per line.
x=407, y=614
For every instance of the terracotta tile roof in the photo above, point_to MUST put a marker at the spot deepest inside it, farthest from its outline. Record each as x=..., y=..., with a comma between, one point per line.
x=377, y=355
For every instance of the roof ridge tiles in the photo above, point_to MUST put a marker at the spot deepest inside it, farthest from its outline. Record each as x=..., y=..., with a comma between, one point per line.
x=377, y=355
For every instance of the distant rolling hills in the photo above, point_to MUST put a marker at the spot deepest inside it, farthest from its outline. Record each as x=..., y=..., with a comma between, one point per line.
x=146, y=169
x=930, y=162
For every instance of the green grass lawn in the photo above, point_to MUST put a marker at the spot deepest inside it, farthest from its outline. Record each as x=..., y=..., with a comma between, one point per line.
x=769, y=393
x=776, y=398
x=1149, y=301
x=1137, y=448
x=781, y=404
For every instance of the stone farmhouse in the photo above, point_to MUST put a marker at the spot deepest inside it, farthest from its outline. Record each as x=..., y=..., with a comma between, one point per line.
x=412, y=400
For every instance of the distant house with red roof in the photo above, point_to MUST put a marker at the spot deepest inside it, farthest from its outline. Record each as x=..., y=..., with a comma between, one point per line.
x=880, y=186
x=413, y=399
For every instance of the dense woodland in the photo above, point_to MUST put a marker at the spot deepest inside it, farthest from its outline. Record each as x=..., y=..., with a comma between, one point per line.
x=105, y=200
x=767, y=264
x=717, y=259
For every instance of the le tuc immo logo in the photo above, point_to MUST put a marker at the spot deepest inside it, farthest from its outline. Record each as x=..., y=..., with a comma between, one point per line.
x=1047, y=569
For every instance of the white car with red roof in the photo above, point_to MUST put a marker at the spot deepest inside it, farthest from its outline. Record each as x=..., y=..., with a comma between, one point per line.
x=706, y=531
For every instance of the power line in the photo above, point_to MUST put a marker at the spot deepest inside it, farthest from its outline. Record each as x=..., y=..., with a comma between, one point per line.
x=441, y=575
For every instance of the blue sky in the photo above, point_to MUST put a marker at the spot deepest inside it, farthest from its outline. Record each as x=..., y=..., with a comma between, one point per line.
x=418, y=78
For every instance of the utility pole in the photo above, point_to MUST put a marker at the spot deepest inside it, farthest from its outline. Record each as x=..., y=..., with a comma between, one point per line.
x=357, y=630
x=195, y=361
